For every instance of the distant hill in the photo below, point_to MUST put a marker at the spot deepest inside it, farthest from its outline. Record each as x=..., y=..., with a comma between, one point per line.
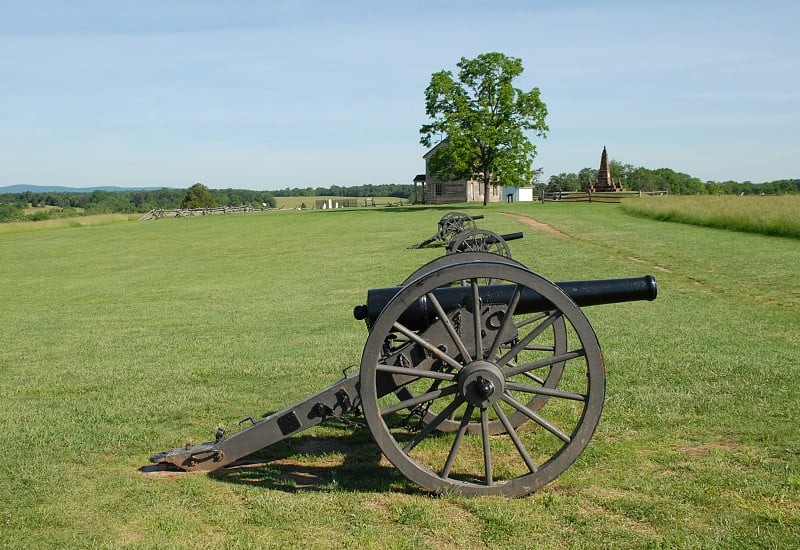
x=61, y=189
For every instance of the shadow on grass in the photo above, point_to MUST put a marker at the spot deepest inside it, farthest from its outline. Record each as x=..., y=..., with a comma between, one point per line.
x=318, y=463
x=341, y=458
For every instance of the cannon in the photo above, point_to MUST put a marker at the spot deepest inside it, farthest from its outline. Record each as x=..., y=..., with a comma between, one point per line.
x=482, y=240
x=466, y=387
x=450, y=225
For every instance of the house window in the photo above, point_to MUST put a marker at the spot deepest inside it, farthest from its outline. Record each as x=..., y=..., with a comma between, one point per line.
x=437, y=189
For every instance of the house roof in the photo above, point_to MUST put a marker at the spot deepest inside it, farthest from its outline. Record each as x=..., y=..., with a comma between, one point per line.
x=434, y=148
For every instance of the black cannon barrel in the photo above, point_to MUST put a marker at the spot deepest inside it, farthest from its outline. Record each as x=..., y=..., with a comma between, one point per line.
x=585, y=293
x=488, y=239
x=513, y=236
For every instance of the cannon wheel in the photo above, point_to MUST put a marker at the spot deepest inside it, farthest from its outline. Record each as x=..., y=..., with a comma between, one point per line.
x=483, y=388
x=559, y=344
x=453, y=223
x=469, y=256
x=479, y=240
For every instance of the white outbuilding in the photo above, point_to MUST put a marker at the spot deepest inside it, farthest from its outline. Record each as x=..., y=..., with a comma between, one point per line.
x=519, y=194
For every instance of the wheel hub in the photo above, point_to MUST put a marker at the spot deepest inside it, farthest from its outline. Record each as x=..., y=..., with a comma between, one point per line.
x=481, y=383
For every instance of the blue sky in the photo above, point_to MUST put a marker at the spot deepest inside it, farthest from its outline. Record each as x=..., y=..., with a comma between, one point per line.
x=273, y=94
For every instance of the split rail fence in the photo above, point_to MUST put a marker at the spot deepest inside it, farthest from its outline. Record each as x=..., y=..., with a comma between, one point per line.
x=587, y=196
x=158, y=213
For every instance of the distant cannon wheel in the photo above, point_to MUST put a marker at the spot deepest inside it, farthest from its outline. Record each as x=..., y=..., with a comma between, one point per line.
x=465, y=257
x=454, y=223
x=479, y=240
x=486, y=369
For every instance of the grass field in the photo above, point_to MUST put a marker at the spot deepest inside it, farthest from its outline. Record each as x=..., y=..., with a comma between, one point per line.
x=124, y=339
x=778, y=216
x=63, y=223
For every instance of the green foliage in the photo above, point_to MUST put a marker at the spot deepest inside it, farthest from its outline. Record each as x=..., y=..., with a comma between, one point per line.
x=666, y=179
x=120, y=202
x=481, y=121
x=106, y=202
x=403, y=191
x=198, y=196
x=238, y=197
x=10, y=212
x=564, y=182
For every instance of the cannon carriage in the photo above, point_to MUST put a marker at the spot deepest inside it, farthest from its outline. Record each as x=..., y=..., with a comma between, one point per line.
x=449, y=226
x=459, y=233
x=478, y=376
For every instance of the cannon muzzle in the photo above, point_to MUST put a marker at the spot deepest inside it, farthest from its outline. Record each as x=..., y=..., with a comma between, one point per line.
x=584, y=293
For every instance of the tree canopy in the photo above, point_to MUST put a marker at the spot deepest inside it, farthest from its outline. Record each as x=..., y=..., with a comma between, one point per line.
x=198, y=196
x=666, y=179
x=481, y=119
x=70, y=203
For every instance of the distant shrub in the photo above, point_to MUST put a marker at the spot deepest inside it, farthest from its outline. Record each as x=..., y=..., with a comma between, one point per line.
x=38, y=216
x=11, y=213
x=198, y=196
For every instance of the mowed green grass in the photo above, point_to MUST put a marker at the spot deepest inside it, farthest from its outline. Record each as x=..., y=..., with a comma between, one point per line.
x=127, y=339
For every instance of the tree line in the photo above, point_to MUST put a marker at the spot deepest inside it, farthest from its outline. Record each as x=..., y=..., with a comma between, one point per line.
x=676, y=183
x=400, y=191
x=69, y=204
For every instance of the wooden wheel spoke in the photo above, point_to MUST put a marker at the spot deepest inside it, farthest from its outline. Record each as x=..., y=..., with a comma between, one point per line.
x=476, y=316
x=449, y=327
x=416, y=373
x=512, y=433
x=487, y=449
x=534, y=378
x=526, y=374
x=413, y=402
x=519, y=346
x=441, y=417
x=552, y=392
x=462, y=429
x=536, y=418
x=546, y=362
x=508, y=319
x=540, y=348
x=529, y=320
x=427, y=345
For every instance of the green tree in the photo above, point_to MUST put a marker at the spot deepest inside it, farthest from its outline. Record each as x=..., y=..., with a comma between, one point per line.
x=587, y=177
x=482, y=120
x=563, y=182
x=11, y=212
x=198, y=196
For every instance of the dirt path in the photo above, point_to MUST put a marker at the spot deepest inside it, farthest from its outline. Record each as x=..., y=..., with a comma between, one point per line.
x=536, y=225
x=553, y=231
